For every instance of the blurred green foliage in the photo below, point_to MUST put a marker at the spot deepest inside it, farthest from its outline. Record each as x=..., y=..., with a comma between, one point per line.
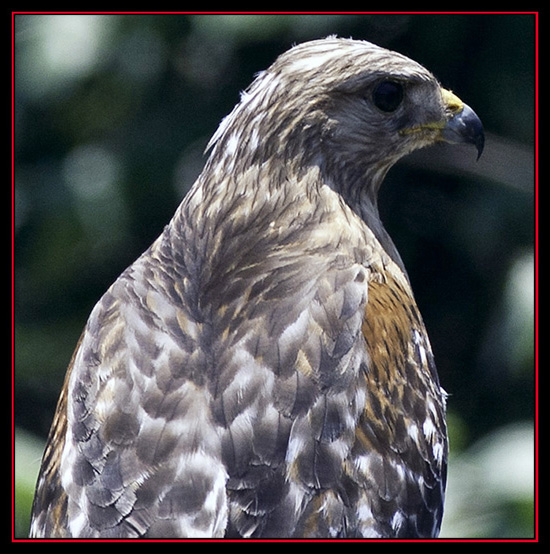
x=112, y=114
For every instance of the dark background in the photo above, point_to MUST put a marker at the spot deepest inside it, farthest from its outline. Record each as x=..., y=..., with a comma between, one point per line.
x=112, y=114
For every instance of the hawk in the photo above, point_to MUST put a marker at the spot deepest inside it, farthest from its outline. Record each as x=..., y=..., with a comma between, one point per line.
x=263, y=370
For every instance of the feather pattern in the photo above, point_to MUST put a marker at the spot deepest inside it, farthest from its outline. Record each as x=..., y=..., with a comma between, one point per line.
x=262, y=370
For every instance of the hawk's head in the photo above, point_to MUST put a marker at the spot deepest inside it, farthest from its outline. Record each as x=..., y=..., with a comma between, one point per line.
x=349, y=107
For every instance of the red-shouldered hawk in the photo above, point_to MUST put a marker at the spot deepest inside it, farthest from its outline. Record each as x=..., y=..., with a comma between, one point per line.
x=262, y=370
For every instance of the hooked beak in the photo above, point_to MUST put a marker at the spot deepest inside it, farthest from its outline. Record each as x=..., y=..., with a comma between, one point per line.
x=464, y=126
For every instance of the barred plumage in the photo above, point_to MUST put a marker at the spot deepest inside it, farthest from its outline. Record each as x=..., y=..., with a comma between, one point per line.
x=262, y=370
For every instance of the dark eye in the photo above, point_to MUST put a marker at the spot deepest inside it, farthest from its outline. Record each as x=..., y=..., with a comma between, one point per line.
x=387, y=96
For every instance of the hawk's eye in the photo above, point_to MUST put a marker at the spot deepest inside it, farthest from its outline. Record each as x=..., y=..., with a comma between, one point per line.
x=387, y=96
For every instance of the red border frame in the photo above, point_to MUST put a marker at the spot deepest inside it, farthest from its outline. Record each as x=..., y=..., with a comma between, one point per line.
x=443, y=540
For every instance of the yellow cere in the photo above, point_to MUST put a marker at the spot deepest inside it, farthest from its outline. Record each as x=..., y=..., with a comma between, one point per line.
x=452, y=101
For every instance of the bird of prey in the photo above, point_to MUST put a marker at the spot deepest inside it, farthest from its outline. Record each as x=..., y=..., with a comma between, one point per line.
x=263, y=370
